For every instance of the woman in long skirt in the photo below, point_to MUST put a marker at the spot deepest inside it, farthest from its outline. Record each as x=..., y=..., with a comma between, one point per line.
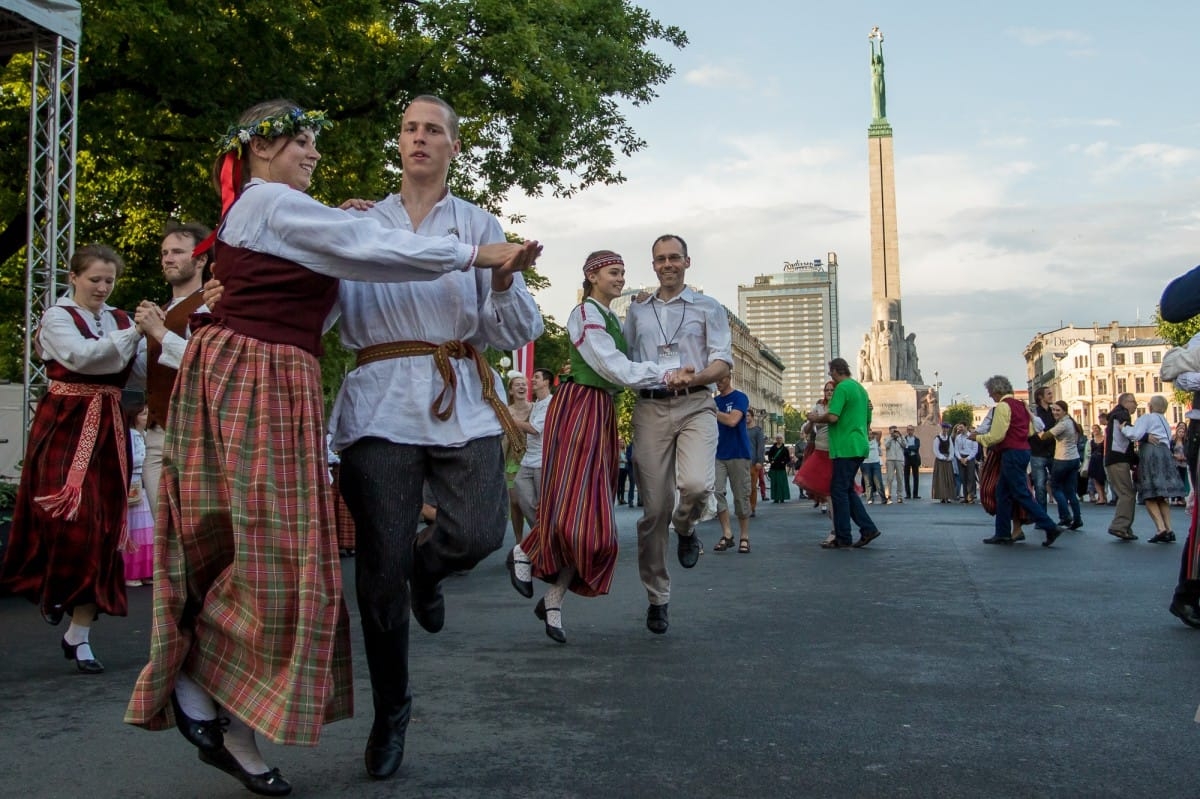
x=1097, y=477
x=778, y=459
x=944, y=489
x=69, y=524
x=1158, y=478
x=139, y=554
x=249, y=621
x=573, y=544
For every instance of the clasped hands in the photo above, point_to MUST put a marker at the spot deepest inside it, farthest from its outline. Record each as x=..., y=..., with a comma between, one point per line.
x=679, y=379
x=150, y=319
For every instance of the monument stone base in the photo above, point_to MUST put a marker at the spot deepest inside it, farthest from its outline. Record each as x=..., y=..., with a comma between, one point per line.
x=900, y=403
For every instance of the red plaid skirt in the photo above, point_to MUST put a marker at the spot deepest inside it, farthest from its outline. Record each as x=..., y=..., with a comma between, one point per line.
x=345, y=522
x=988, y=477
x=247, y=582
x=60, y=563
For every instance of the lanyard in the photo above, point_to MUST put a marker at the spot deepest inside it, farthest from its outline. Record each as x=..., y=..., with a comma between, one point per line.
x=658, y=319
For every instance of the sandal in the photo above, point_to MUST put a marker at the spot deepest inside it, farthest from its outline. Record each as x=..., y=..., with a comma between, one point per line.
x=723, y=544
x=743, y=545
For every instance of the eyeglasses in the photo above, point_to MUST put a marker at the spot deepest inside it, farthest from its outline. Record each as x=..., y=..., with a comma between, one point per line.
x=673, y=258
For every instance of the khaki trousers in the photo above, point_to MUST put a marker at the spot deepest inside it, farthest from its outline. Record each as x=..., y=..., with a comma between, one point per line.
x=676, y=444
x=1120, y=480
x=152, y=466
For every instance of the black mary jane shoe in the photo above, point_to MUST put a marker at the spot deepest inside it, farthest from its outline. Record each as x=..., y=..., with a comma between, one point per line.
x=91, y=666
x=523, y=587
x=555, y=633
x=269, y=783
x=201, y=733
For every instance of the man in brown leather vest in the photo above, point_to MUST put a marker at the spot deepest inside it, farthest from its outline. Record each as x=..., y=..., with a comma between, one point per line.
x=166, y=329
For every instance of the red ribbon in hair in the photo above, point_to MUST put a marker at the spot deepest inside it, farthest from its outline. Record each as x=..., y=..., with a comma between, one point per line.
x=230, y=180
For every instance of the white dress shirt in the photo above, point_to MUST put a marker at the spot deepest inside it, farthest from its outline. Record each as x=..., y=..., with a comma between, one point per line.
x=965, y=447
x=694, y=321
x=391, y=399
x=533, y=441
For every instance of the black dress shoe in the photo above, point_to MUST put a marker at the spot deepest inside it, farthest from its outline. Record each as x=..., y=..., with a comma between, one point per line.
x=1186, y=612
x=688, y=550
x=999, y=539
x=524, y=587
x=53, y=615
x=656, y=619
x=91, y=666
x=555, y=633
x=385, y=744
x=269, y=783
x=201, y=733
x=1052, y=536
x=428, y=605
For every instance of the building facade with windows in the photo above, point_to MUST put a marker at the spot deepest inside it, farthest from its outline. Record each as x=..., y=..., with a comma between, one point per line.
x=1089, y=374
x=795, y=313
x=1045, y=351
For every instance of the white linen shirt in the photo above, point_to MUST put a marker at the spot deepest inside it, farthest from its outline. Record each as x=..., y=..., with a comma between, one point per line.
x=59, y=340
x=588, y=333
x=391, y=399
x=965, y=447
x=694, y=321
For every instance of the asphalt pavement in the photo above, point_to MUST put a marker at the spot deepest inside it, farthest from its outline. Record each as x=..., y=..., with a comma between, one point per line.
x=925, y=665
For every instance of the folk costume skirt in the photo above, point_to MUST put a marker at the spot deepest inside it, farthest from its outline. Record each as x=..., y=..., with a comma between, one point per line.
x=575, y=526
x=59, y=562
x=1158, y=477
x=943, y=480
x=247, y=584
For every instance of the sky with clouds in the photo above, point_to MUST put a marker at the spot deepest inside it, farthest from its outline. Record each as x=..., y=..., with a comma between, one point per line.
x=1046, y=165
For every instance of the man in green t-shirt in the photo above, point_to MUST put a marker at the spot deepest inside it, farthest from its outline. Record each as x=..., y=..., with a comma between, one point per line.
x=849, y=418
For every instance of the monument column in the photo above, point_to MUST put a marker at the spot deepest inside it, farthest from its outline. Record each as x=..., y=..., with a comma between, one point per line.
x=888, y=354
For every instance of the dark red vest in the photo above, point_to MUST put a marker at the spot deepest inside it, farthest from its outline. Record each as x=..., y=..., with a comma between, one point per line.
x=1017, y=436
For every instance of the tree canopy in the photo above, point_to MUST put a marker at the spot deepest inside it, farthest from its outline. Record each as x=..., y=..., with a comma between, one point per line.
x=539, y=85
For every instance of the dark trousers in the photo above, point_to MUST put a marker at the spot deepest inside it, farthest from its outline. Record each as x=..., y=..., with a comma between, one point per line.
x=1012, y=485
x=845, y=502
x=1063, y=479
x=912, y=489
x=622, y=479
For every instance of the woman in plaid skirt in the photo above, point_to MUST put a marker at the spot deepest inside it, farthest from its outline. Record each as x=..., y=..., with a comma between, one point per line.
x=250, y=631
x=69, y=524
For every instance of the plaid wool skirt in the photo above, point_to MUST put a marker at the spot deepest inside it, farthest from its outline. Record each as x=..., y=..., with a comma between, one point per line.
x=247, y=584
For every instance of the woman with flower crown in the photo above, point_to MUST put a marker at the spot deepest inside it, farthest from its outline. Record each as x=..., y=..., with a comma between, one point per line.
x=250, y=631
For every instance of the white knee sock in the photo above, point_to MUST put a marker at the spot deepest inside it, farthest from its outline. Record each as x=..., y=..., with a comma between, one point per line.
x=554, y=597
x=194, y=702
x=521, y=565
x=239, y=740
x=77, y=636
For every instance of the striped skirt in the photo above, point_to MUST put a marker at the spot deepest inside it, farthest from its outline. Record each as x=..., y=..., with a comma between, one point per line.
x=247, y=584
x=575, y=526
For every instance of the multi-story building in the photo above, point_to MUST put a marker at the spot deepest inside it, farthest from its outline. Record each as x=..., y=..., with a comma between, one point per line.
x=796, y=314
x=1090, y=373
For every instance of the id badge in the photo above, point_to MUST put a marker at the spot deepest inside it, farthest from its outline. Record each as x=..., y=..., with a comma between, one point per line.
x=668, y=356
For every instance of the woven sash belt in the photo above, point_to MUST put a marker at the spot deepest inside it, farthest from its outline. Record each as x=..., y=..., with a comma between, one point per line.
x=443, y=403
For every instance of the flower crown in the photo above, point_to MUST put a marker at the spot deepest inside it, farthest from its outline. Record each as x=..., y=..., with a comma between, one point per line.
x=288, y=124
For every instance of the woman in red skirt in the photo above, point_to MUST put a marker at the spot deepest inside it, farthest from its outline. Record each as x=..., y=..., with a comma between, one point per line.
x=248, y=609
x=69, y=524
x=573, y=545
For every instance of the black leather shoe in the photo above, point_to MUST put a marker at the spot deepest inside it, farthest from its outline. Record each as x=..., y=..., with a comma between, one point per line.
x=656, y=619
x=428, y=605
x=997, y=539
x=689, y=550
x=866, y=538
x=92, y=666
x=269, y=783
x=1185, y=612
x=524, y=587
x=53, y=615
x=555, y=633
x=385, y=745
x=201, y=733
x=1052, y=536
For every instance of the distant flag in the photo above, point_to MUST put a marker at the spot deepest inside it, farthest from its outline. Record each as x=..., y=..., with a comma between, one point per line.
x=523, y=363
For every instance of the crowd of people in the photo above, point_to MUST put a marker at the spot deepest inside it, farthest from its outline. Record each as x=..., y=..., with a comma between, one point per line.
x=216, y=492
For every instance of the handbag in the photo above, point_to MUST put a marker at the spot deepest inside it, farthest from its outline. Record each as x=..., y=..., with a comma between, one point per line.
x=135, y=492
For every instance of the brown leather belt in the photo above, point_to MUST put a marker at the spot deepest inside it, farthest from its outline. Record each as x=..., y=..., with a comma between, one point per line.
x=443, y=403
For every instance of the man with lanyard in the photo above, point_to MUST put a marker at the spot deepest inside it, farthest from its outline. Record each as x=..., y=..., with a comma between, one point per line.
x=421, y=406
x=166, y=337
x=675, y=432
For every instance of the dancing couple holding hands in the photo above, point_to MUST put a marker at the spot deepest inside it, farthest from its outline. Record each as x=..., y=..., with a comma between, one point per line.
x=573, y=545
